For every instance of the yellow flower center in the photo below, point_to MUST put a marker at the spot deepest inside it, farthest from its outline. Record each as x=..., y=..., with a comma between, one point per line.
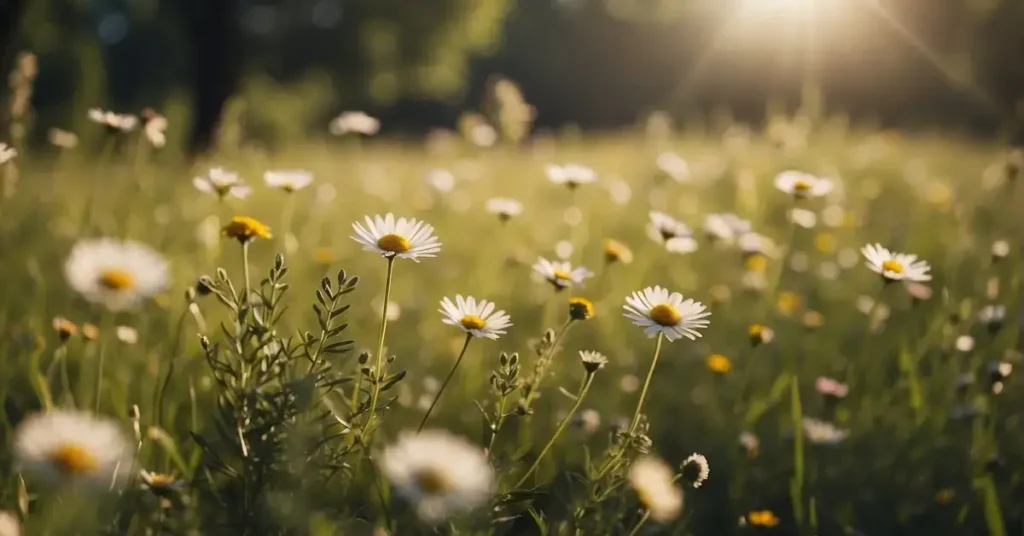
x=665, y=315
x=432, y=481
x=245, y=228
x=801, y=186
x=562, y=274
x=755, y=330
x=615, y=251
x=472, y=322
x=393, y=243
x=115, y=279
x=73, y=459
x=161, y=480
x=719, y=363
x=892, y=266
x=580, y=308
x=763, y=518
x=757, y=262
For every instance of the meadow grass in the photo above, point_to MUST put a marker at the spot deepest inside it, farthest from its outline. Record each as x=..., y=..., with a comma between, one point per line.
x=924, y=453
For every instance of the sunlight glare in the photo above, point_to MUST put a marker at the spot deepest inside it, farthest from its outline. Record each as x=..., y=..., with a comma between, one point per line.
x=778, y=8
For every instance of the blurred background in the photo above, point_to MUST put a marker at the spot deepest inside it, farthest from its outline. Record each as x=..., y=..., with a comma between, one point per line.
x=288, y=66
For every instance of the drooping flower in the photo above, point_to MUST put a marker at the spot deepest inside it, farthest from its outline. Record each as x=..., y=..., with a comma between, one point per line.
x=439, y=474
x=615, y=251
x=70, y=447
x=676, y=236
x=478, y=318
x=896, y=266
x=116, y=274
x=580, y=308
x=404, y=238
x=658, y=311
x=561, y=274
x=571, y=175
x=802, y=185
x=245, y=229
x=160, y=483
x=695, y=469
x=289, y=180
x=354, y=122
x=222, y=183
x=652, y=479
x=504, y=208
x=593, y=361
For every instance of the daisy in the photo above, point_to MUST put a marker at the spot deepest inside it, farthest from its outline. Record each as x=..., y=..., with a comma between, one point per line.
x=477, y=318
x=695, y=469
x=831, y=388
x=560, y=273
x=160, y=483
x=71, y=446
x=675, y=235
x=113, y=121
x=658, y=311
x=222, y=183
x=571, y=175
x=654, y=483
x=406, y=238
x=615, y=251
x=154, y=128
x=755, y=244
x=288, y=180
x=7, y=153
x=117, y=274
x=593, y=361
x=673, y=166
x=823, y=433
x=802, y=185
x=725, y=226
x=440, y=474
x=896, y=266
x=504, y=208
x=62, y=138
x=357, y=122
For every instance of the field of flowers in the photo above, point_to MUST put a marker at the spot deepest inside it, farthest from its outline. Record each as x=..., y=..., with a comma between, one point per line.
x=801, y=329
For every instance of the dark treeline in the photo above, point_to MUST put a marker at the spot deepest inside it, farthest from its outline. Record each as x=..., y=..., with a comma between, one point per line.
x=596, y=63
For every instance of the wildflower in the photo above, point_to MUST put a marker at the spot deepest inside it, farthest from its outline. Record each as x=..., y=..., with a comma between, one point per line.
x=992, y=317
x=673, y=166
x=70, y=446
x=695, y=469
x=357, y=122
x=654, y=484
x=1000, y=249
x=755, y=244
x=222, y=183
x=154, y=128
x=751, y=444
x=580, y=308
x=9, y=525
x=657, y=311
x=288, y=180
x=479, y=319
x=823, y=433
x=615, y=251
x=725, y=226
x=65, y=328
x=244, y=229
x=895, y=266
x=113, y=121
x=127, y=334
x=813, y=320
x=760, y=334
x=762, y=518
x=675, y=235
x=561, y=274
x=964, y=343
x=405, y=238
x=571, y=175
x=116, y=274
x=593, y=361
x=830, y=388
x=588, y=420
x=440, y=474
x=918, y=292
x=788, y=302
x=7, y=153
x=802, y=185
x=504, y=208
x=804, y=218
x=718, y=363
x=62, y=138
x=441, y=180
x=90, y=332
x=160, y=483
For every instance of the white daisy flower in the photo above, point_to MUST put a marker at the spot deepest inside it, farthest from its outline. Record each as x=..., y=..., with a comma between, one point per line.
x=753, y=243
x=127, y=334
x=593, y=361
x=441, y=180
x=695, y=469
x=725, y=226
x=62, y=138
x=113, y=121
x=9, y=525
x=802, y=185
x=117, y=274
x=561, y=274
x=71, y=446
x=804, y=218
x=357, y=122
x=676, y=236
x=571, y=175
x=7, y=153
x=288, y=180
x=896, y=266
x=823, y=433
x=160, y=483
x=223, y=183
x=440, y=474
x=504, y=208
x=405, y=238
x=653, y=481
x=658, y=311
x=673, y=166
x=155, y=128
x=478, y=318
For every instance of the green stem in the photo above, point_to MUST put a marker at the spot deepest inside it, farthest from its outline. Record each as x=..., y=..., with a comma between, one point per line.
x=554, y=346
x=375, y=389
x=639, y=524
x=160, y=396
x=647, y=383
x=245, y=270
x=451, y=373
x=797, y=484
x=561, y=426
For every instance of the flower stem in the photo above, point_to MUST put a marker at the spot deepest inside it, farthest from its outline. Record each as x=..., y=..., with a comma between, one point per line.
x=440, y=391
x=245, y=270
x=647, y=383
x=375, y=389
x=797, y=484
x=547, y=356
x=159, y=396
x=585, y=386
